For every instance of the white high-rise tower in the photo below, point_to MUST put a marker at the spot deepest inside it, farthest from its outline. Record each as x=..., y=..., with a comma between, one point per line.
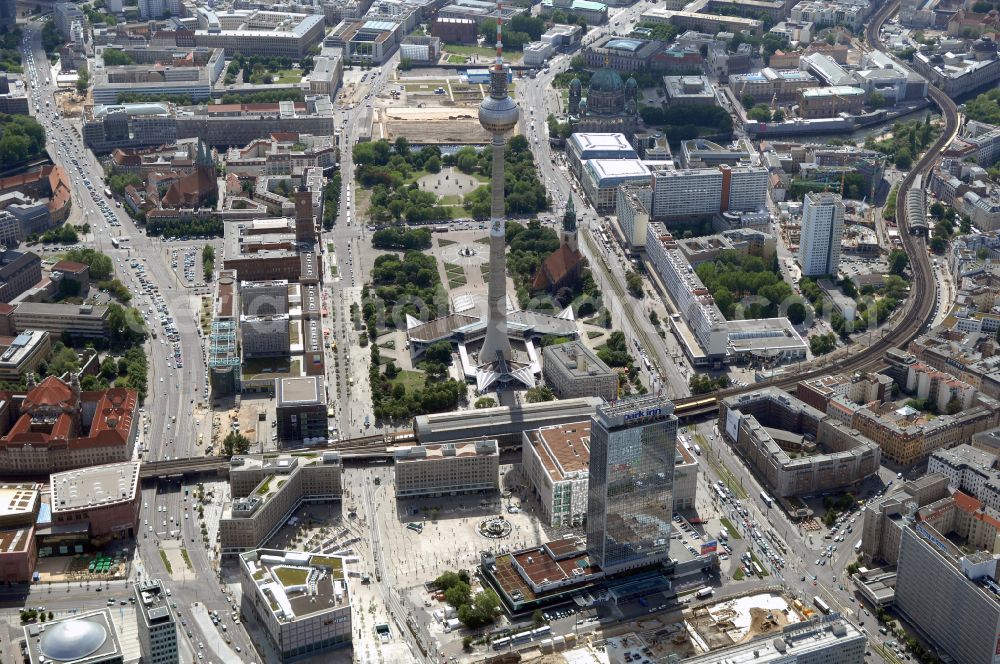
x=821, y=234
x=498, y=114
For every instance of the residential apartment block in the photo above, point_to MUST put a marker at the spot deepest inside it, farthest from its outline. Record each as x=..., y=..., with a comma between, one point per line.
x=795, y=447
x=949, y=594
x=970, y=470
x=821, y=234
x=883, y=519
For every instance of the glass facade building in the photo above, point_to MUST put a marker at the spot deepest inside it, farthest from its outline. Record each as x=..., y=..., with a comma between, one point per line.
x=630, y=495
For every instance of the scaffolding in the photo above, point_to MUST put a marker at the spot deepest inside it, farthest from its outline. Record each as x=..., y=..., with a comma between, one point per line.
x=224, y=358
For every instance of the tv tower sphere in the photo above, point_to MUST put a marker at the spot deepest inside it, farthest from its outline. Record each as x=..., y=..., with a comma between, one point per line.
x=498, y=114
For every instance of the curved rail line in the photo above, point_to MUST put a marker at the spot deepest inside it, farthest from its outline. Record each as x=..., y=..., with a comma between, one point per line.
x=919, y=307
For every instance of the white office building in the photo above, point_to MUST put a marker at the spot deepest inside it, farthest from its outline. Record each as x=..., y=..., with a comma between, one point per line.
x=556, y=460
x=689, y=192
x=708, y=191
x=821, y=234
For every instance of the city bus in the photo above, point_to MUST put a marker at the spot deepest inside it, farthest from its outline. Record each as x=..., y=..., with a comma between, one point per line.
x=821, y=605
x=107, y=192
x=766, y=499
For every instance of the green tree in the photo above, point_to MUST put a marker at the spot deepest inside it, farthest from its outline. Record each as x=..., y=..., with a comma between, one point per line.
x=821, y=344
x=760, y=113
x=440, y=352
x=796, y=313
x=903, y=159
x=633, y=281
x=539, y=394
x=485, y=402
x=898, y=262
x=235, y=443
x=458, y=595
x=82, y=81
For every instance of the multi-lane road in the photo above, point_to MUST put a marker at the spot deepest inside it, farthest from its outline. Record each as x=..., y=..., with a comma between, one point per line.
x=172, y=390
x=176, y=418
x=537, y=99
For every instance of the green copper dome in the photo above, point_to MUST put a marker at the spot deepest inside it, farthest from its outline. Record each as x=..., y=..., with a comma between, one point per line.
x=606, y=80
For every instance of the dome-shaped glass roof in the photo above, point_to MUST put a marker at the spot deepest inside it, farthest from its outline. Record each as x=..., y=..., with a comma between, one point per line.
x=72, y=639
x=606, y=80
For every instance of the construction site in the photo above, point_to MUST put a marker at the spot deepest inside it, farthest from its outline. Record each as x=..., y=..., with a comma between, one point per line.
x=431, y=110
x=679, y=635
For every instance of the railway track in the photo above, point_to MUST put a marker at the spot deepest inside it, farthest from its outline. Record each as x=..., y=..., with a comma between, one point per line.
x=919, y=307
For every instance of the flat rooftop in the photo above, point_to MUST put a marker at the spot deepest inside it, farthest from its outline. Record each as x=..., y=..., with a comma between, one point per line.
x=439, y=451
x=577, y=359
x=564, y=449
x=15, y=540
x=541, y=567
x=18, y=499
x=95, y=486
x=607, y=169
x=295, y=584
x=23, y=345
x=153, y=602
x=597, y=141
x=300, y=391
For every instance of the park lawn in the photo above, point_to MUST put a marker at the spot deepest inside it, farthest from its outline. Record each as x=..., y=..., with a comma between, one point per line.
x=410, y=380
x=465, y=49
x=416, y=175
x=457, y=59
x=594, y=334
x=443, y=242
x=425, y=86
x=483, y=240
x=738, y=575
x=484, y=269
x=455, y=274
x=287, y=76
x=450, y=199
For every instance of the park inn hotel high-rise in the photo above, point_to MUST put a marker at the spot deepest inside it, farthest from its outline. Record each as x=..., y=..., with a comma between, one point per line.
x=630, y=495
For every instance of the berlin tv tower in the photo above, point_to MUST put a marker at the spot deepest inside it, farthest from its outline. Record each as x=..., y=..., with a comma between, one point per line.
x=498, y=114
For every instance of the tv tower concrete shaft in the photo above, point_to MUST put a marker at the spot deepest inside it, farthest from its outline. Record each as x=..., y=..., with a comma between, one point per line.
x=498, y=114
